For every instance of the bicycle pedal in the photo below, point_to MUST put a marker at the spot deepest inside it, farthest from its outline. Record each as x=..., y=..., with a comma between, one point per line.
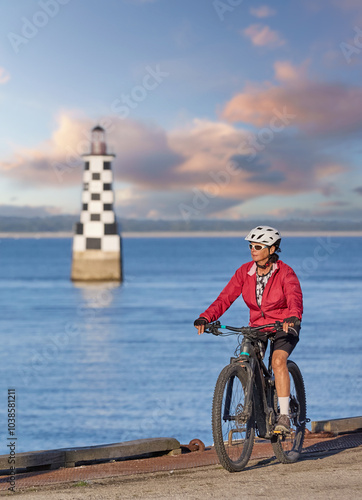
x=283, y=433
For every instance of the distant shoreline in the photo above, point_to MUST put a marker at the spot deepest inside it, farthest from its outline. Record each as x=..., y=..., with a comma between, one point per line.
x=184, y=234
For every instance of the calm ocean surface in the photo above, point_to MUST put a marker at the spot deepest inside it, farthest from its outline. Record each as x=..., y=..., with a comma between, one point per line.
x=102, y=364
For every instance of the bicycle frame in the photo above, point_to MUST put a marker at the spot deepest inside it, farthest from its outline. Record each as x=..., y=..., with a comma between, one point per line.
x=259, y=389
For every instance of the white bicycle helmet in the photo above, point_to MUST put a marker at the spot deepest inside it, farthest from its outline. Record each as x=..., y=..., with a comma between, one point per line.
x=264, y=234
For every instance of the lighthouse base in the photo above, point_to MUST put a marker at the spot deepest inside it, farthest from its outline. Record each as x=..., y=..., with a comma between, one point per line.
x=96, y=265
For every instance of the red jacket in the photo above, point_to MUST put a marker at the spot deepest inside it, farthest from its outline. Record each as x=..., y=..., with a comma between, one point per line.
x=282, y=296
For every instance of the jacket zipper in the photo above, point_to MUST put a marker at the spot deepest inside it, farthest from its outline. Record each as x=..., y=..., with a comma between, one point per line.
x=262, y=312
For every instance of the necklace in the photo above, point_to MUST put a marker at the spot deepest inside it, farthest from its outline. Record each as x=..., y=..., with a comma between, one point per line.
x=263, y=274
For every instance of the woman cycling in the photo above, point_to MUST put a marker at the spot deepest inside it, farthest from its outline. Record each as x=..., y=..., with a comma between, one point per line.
x=271, y=290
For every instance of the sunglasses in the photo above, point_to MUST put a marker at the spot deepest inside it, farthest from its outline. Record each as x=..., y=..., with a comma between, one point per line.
x=257, y=247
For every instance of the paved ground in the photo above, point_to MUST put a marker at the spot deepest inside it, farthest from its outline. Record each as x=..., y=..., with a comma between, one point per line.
x=328, y=469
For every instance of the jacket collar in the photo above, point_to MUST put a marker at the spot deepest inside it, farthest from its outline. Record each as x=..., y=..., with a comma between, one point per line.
x=252, y=270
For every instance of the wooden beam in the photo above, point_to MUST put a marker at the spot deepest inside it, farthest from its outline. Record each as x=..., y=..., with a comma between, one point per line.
x=338, y=426
x=69, y=457
x=128, y=449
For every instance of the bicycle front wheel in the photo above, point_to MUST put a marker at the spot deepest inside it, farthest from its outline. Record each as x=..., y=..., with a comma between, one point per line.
x=233, y=425
x=288, y=447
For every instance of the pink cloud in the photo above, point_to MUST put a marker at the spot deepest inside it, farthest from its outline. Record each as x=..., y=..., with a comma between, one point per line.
x=316, y=107
x=263, y=36
x=4, y=75
x=285, y=71
x=160, y=170
x=262, y=11
x=142, y=153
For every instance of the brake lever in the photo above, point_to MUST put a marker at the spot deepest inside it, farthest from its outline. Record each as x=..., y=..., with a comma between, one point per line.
x=213, y=327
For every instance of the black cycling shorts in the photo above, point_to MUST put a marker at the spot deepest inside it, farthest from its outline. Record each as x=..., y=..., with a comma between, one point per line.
x=285, y=341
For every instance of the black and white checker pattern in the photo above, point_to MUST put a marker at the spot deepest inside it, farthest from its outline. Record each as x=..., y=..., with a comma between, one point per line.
x=97, y=229
x=261, y=282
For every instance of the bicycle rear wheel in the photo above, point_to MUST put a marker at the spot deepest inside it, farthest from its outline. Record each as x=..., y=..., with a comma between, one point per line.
x=233, y=425
x=288, y=447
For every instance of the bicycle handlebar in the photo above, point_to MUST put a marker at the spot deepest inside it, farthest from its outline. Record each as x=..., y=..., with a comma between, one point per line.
x=245, y=330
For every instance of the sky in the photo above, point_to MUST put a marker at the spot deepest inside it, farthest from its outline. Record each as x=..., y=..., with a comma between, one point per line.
x=228, y=109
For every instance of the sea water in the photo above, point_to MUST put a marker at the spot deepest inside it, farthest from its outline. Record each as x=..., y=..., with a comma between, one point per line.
x=103, y=364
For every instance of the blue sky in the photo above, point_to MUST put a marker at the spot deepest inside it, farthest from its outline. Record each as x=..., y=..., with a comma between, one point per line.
x=221, y=109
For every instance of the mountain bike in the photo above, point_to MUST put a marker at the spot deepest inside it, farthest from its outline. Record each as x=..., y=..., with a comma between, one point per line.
x=245, y=400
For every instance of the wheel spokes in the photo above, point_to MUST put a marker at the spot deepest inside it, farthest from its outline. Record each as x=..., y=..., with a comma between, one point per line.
x=235, y=417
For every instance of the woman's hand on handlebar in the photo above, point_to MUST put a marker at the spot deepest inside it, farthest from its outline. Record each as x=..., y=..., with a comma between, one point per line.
x=290, y=322
x=200, y=323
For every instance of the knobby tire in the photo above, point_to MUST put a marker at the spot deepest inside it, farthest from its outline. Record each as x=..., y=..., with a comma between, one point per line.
x=233, y=434
x=287, y=448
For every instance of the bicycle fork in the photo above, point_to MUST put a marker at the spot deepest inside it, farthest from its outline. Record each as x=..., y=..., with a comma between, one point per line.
x=243, y=412
x=249, y=366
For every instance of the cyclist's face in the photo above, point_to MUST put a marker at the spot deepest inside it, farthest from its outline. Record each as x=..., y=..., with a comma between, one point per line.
x=260, y=255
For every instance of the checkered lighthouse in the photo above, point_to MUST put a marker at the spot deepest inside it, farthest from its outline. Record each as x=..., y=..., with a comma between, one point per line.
x=96, y=243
